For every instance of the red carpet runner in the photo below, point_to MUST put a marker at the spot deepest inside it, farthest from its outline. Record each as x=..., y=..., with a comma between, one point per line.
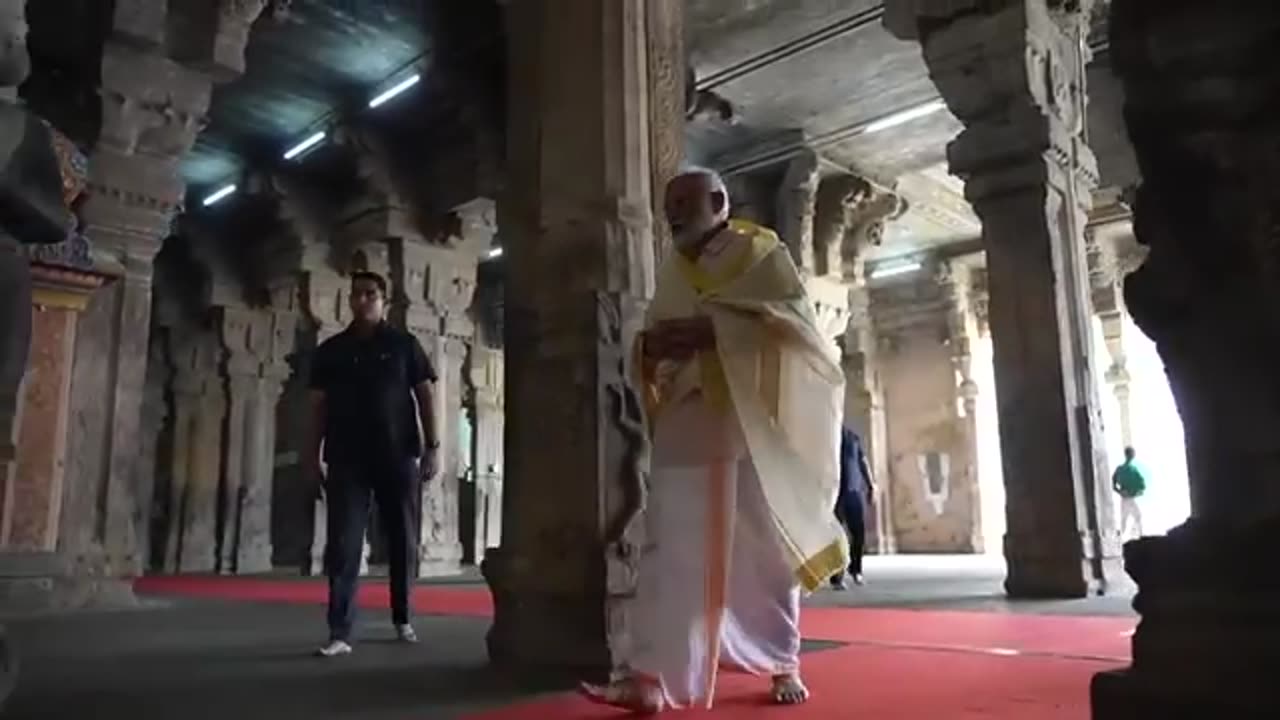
x=898, y=665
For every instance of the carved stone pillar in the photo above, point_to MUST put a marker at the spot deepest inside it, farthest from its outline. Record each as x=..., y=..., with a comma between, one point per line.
x=849, y=218
x=962, y=331
x=864, y=413
x=152, y=109
x=579, y=113
x=664, y=24
x=1013, y=73
x=257, y=343
x=35, y=165
x=199, y=413
x=1199, y=104
x=487, y=397
x=434, y=284
x=1109, y=242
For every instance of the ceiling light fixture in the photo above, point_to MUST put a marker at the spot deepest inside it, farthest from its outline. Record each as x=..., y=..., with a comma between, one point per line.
x=219, y=195
x=890, y=270
x=494, y=253
x=305, y=145
x=395, y=90
x=905, y=116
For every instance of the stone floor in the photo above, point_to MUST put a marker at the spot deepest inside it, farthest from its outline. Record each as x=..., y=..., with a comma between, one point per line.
x=203, y=659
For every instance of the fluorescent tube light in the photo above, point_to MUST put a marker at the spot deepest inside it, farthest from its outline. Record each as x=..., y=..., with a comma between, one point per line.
x=395, y=90
x=494, y=253
x=905, y=116
x=885, y=271
x=219, y=195
x=304, y=146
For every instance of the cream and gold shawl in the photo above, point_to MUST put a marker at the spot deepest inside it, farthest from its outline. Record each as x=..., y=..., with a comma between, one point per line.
x=776, y=373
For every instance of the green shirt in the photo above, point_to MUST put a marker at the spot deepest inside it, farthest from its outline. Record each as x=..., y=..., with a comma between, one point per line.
x=1128, y=480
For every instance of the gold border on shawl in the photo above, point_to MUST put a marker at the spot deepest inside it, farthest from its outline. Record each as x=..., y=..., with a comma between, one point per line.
x=820, y=568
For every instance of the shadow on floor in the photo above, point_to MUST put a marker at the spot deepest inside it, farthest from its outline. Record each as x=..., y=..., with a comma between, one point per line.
x=244, y=662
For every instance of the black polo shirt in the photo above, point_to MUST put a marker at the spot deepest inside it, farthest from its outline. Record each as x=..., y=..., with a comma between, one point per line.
x=368, y=382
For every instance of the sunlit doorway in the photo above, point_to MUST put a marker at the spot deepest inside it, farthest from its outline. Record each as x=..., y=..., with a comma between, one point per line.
x=1156, y=426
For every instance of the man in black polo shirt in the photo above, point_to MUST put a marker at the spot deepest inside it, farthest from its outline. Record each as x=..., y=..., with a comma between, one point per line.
x=370, y=396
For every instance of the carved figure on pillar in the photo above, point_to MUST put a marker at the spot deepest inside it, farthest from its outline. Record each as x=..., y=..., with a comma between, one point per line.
x=837, y=198
x=797, y=199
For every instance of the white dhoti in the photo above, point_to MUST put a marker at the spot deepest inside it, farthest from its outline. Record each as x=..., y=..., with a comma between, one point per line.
x=715, y=586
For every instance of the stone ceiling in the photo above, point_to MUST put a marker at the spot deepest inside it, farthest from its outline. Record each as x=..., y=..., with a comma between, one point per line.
x=797, y=71
x=818, y=72
x=302, y=64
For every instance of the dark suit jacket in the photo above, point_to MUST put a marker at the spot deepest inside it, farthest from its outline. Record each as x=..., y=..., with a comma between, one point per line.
x=854, y=474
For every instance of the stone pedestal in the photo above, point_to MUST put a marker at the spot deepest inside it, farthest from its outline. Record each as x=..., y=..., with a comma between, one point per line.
x=1013, y=74
x=1208, y=295
x=577, y=224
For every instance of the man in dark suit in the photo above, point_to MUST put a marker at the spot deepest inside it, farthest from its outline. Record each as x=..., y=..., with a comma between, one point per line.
x=856, y=490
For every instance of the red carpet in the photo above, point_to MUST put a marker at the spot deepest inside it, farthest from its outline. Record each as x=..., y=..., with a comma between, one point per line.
x=887, y=684
x=428, y=600
x=899, y=664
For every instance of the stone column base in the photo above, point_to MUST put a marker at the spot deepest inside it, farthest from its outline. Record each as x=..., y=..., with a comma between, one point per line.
x=1127, y=695
x=535, y=628
x=1210, y=632
x=32, y=583
x=1066, y=571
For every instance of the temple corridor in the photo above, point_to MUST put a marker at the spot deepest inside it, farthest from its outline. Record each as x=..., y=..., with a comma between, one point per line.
x=208, y=657
x=1029, y=233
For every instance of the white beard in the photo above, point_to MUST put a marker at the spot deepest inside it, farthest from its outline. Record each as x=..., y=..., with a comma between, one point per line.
x=690, y=237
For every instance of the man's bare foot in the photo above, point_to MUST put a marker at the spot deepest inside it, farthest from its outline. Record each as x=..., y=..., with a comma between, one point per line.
x=789, y=690
x=630, y=695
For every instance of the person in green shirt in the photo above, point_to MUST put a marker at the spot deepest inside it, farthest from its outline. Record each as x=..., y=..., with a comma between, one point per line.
x=1129, y=483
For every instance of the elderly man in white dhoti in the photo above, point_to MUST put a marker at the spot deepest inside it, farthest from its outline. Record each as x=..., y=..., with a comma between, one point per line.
x=743, y=396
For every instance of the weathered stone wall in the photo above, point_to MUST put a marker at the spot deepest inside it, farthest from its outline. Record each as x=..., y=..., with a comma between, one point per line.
x=932, y=494
x=931, y=488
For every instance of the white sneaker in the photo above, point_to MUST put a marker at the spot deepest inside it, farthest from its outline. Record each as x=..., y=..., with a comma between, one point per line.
x=334, y=649
x=405, y=634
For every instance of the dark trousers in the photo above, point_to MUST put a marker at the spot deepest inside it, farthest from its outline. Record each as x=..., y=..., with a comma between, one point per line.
x=850, y=512
x=348, y=491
